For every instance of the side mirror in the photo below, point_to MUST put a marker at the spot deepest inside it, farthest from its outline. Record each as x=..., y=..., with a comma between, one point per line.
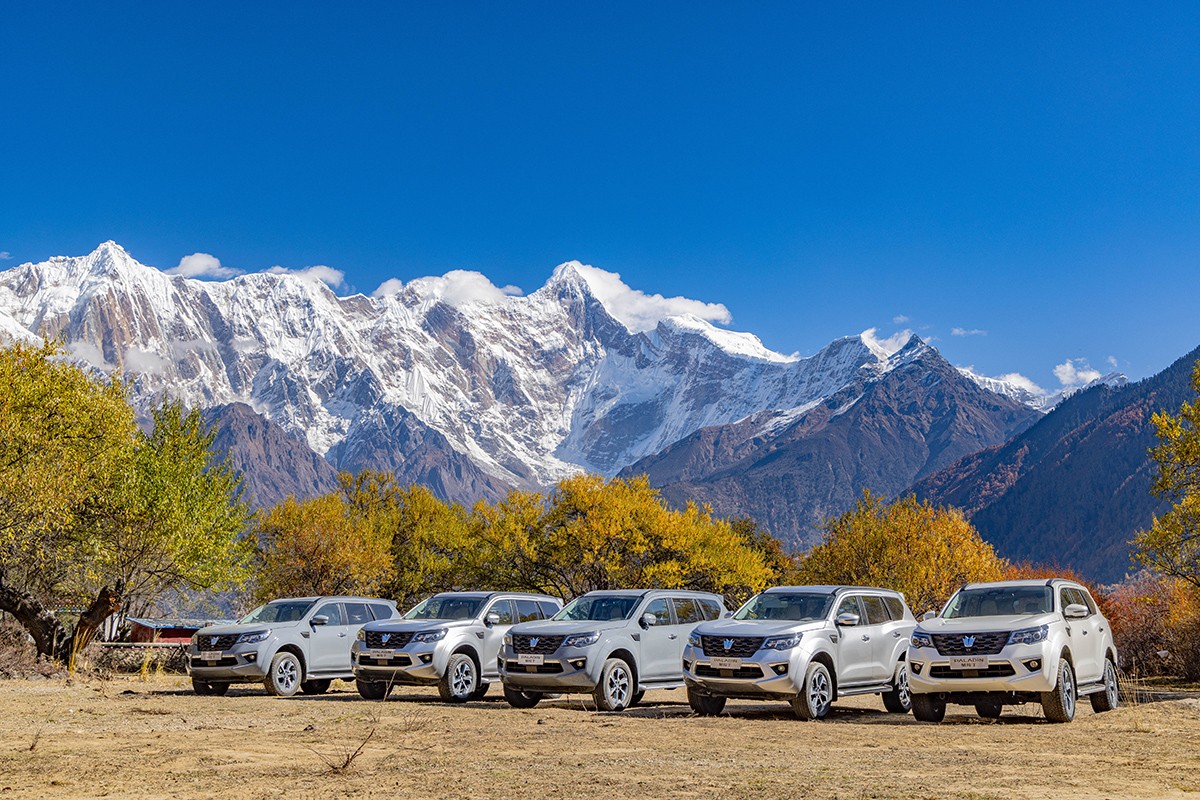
x=491, y=619
x=847, y=619
x=928, y=615
x=1075, y=611
x=648, y=620
x=319, y=619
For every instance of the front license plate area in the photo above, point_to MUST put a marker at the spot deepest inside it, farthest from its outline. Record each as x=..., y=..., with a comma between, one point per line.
x=727, y=663
x=211, y=655
x=969, y=662
x=528, y=660
x=380, y=655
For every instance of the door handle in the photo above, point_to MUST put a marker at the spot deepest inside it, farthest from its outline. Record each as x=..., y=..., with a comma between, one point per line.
x=866, y=638
x=342, y=635
x=1085, y=633
x=897, y=634
x=672, y=636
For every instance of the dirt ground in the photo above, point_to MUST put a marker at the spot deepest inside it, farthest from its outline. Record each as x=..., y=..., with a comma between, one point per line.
x=153, y=738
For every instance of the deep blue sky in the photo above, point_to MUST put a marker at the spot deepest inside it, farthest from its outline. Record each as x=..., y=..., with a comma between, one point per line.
x=1032, y=171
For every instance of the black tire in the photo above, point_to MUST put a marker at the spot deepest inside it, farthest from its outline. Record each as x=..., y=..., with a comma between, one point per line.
x=816, y=693
x=928, y=708
x=899, y=699
x=638, y=696
x=989, y=709
x=372, y=690
x=1110, y=698
x=521, y=699
x=481, y=692
x=285, y=675
x=1059, y=705
x=316, y=687
x=705, y=705
x=616, y=687
x=460, y=680
x=205, y=688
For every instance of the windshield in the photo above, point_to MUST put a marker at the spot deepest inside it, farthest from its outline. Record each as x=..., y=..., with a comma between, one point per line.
x=1000, y=601
x=600, y=607
x=280, y=611
x=446, y=606
x=779, y=605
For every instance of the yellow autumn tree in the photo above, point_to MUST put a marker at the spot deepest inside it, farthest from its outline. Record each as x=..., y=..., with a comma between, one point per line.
x=924, y=551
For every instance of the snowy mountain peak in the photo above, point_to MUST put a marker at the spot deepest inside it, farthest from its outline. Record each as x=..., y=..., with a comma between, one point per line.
x=1018, y=387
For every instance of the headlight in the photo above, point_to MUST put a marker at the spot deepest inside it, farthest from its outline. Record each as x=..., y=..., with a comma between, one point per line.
x=361, y=635
x=430, y=636
x=920, y=639
x=694, y=639
x=782, y=642
x=581, y=639
x=507, y=640
x=253, y=638
x=1029, y=635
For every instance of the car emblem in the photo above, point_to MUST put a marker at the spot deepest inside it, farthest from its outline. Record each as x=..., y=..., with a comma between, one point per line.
x=533, y=642
x=728, y=643
x=214, y=639
x=968, y=641
x=385, y=638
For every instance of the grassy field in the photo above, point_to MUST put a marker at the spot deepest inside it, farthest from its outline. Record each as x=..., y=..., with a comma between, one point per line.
x=154, y=738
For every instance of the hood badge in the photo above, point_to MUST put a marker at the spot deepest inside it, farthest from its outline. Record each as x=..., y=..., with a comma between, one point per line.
x=968, y=641
x=533, y=641
x=385, y=638
x=214, y=639
x=728, y=644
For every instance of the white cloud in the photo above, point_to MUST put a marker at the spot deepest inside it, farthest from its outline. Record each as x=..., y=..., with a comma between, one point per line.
x=1017, y=379
x=334, y=278
x=388, y=288
x=89, y=354
x=458, y=287
x=1075, y=372
x=202, y=265
x=145, y=361
x=886, y=346
x=637, y=310
x=1112, y=361
x=967, y=332
x=5, y=255
x=900, y=319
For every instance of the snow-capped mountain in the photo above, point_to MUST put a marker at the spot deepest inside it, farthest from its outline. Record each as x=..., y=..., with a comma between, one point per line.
x=1027, y=393
x=450, y=378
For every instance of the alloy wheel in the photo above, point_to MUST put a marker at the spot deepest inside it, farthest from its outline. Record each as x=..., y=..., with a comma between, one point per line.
x=463, y=679
x=617, y=686
x=819, y=692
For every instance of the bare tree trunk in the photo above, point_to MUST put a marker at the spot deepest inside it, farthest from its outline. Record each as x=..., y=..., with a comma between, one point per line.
x=107, y=603
x=49, y=635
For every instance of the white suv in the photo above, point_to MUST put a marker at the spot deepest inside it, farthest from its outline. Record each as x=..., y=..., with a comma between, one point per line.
x=998, y=644
x=807, y=645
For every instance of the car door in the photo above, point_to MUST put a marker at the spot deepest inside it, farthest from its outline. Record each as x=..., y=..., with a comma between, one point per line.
x=328, y=645
x=659, y=658
x=880, y=629
x=688, y=614
x=1087, y=639
x=494, y=635
x=855, y=656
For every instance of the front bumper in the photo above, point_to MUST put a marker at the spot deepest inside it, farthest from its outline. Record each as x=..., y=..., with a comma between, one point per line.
x=415, y=664
x=1017, y=668
x=567, y=670
x=241, y=663
x=766, y=674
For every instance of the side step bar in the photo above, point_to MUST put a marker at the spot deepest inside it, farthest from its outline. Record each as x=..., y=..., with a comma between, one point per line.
x=875, y=688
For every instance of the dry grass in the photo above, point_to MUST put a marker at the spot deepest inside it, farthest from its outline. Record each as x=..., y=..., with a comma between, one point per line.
x=134, y=739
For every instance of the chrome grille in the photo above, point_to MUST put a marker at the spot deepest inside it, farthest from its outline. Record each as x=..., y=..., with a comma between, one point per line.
x=524, y=643
x=204, y=642
x=739, y=646
x=981, y=644
x=375, y=640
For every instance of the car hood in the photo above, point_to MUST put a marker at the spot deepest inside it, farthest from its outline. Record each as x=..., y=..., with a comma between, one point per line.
x=549, y=627
x=985, y=624
x=414, y=625
x=761, y=627
x=249, y=627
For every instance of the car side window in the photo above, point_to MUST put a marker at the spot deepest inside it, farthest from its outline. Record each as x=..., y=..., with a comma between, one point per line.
x=548, y=608
x=877, y=612
x=503, y=608
x=661, y=611
x=1064, y=599
x=1087, y=600
x=687, y=611
x=380, y=611
x=1079, y=597
x=895, y=607
x=712, y=609
x=528, y=610
x=333, y=611
x=849, y=605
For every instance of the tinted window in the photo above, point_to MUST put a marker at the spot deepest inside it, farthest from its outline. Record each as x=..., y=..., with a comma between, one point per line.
x=503, y=609
x=1078, y=596
x=849, y=605
x=687, y=610
x=356, y=613
x=1087, y=600
x=785, y=605
x=280, y=611
x=600, y=607
x=998, y=601
x=528, y=610
x=548, y=609
x=877, y=612
x=1064, y=599
x=711, y=608
x=660, y=610
x=331, y=610
x=895, y=607
x=446, y=606
x=381, y=611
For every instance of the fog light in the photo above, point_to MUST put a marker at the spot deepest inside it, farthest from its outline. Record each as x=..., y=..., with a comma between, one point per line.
x=577, y=663
x=780, y=669
x=426, y=658
x=1033, y=664
x=251, y=658
x=916, y=666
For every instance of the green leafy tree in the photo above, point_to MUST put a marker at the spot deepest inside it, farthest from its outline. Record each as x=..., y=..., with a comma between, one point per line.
x=1171, y=546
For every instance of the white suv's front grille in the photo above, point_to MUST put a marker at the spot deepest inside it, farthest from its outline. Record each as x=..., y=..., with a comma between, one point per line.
x=970, y=644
